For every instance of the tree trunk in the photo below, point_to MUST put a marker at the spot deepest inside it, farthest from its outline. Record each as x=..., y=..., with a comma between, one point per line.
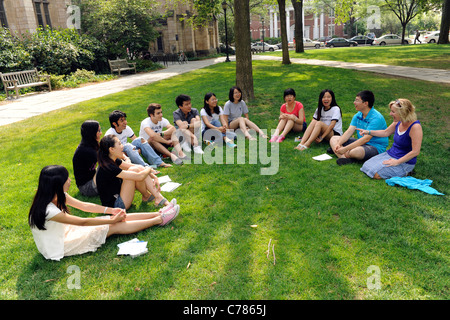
x=284, y=41
x=298, y=32
x=445, y=23
x=244, y=73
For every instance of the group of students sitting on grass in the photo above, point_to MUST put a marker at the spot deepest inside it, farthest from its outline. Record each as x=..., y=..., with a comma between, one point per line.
x=121, y=170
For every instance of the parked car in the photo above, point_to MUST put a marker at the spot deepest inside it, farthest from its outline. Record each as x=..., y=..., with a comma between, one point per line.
x=324, y=39
x=433, y=37
x=362, y=39
x=340, y=42
x=308, y=43
x=390, y=39
x=267, y=47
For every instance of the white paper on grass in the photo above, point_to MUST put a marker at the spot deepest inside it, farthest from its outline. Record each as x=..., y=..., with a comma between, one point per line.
x=170, y=186
x=322, y=157
x=133, y=248
x=164, y=179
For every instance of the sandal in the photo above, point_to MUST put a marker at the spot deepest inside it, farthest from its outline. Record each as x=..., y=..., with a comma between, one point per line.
x=165, y=165
x=301, y=147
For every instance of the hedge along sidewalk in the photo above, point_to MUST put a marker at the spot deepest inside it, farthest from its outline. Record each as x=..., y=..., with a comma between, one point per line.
x=32, y=105
x=29, y=106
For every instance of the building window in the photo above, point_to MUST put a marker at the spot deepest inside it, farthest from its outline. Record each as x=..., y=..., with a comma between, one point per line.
x=331, y=12
x=42, y=13
x=3, y=21
x=331, y=30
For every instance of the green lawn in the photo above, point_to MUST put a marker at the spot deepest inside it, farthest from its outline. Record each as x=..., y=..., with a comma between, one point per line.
x=421, y=56
x=329, y=224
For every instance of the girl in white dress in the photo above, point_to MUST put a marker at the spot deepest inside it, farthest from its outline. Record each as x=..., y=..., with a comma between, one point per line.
x=58, y=234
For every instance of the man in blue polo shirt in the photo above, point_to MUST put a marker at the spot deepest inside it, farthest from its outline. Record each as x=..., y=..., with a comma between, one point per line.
x=348, y=149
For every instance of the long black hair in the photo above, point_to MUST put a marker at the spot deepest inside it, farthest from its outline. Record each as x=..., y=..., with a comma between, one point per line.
x=107, y=142
x=206, y=105
x=51, y=183
x=332, y=104
x=89, y=130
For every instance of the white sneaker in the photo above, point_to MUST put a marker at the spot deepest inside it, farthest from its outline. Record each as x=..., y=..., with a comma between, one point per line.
x=198, y=149
x=185, y=147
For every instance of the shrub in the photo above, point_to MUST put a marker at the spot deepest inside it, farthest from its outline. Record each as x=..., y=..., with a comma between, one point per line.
x=13, y=56
x=63, y=51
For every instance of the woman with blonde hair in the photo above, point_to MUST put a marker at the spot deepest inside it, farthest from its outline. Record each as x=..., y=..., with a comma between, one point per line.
x=401, y=158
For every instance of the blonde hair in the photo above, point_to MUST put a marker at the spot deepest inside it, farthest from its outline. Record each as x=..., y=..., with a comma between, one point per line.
x=405, y=109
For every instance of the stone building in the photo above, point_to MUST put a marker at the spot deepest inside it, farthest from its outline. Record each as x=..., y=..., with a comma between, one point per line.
x=175, y=35
x=22, y=16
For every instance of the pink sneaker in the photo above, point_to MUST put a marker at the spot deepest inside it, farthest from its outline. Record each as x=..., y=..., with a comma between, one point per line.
x=273, y=139
x=170, y=215
x=171, y=204
x=280, y=139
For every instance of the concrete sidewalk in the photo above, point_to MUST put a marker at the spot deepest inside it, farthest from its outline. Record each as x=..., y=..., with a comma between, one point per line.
x=35, y=104
x=433, y=75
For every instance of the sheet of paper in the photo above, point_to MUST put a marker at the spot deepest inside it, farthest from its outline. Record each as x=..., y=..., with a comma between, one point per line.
x=164, y=179
x=322, y=157
x=170, y=186
x=132, y=248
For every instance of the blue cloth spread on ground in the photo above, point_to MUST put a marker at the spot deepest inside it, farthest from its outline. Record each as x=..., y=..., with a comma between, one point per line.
x=413, y=183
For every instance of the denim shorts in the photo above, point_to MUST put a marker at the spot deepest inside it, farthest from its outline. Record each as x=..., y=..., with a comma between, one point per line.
x=89, y=189
x=119, y=202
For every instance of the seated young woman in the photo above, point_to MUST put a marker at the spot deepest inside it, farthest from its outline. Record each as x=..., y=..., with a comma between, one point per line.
x=292, y=117
x=85, y=158
x=58, y=234
x=326, y=122
x=235, y=113
x=401, y=158
x=213, y=121
x=117, y=180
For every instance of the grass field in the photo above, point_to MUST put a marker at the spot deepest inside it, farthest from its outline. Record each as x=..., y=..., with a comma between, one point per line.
x=329, y=224
x=421, y=56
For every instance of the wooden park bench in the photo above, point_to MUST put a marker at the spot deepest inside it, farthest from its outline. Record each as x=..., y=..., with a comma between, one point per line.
x=24, y=79
x=120, y=65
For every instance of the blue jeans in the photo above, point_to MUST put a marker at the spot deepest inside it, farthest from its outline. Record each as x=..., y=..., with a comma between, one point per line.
x=147, y=151
x=216, y=134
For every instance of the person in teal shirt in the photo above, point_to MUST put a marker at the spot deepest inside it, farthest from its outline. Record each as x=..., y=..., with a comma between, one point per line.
x=348, y=149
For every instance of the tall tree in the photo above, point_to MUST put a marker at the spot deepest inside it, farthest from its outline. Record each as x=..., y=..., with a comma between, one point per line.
x=298, y=32
x=445, y=22
x=284, y=41
x=244, y=72
x=405, y=10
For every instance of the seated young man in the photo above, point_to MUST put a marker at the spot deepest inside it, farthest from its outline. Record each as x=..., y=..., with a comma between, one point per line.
x=152, y=130
x=121, y=130
x=349, y=149
x=187, y=120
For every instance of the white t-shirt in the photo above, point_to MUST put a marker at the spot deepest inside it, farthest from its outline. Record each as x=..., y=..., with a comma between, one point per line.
x=214, y=116
x=234, y=110
x=156, y=127
x=50, y=242
x=123, y=136
x=326, y=116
